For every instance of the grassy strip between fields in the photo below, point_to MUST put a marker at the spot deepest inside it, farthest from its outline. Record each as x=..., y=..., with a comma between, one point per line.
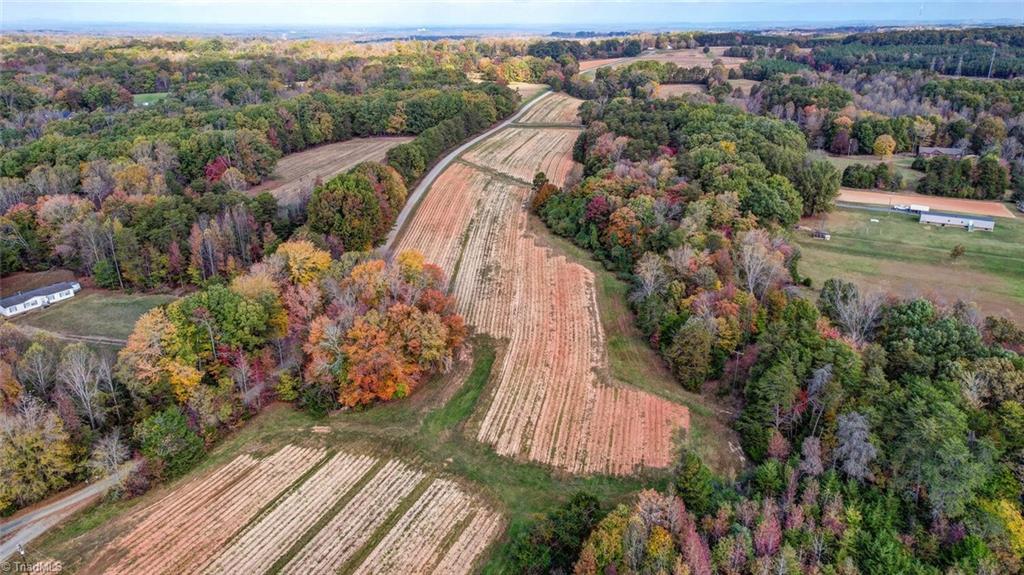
x=460, y=406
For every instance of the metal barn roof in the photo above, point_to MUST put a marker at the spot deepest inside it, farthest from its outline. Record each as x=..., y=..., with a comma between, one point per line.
x=964, y=216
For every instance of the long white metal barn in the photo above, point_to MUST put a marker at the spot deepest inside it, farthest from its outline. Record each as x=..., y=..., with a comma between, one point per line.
x=969, y=223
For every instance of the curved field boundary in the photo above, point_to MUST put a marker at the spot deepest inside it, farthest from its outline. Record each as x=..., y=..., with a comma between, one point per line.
x=550, y=401
x=296, y=174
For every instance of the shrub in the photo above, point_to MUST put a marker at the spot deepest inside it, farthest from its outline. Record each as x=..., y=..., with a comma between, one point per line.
x=166, y=438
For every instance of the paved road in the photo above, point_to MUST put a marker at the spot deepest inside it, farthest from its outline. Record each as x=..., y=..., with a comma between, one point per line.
x=428, y=180
x=31, y=525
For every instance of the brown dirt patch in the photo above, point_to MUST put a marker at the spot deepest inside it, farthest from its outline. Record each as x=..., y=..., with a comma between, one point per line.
x=961, y=205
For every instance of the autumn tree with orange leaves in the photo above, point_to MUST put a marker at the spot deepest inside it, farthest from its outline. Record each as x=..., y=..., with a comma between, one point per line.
x=388, y=329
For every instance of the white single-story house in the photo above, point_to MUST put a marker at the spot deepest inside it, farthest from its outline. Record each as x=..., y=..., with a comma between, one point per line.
x=969, y=223
x=22, y=302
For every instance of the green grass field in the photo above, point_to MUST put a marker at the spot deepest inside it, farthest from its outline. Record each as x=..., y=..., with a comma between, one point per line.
x=94, y=313
x=907, y=257
x=902, y=163
x=148, y=99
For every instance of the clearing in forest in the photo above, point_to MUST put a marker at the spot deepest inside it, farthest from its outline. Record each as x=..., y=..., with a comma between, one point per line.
x=694, y=57
x=295, y=174
x=666, y=91
x=551, y=398
x=555, y=109
x=305, y=510
x=891, y=251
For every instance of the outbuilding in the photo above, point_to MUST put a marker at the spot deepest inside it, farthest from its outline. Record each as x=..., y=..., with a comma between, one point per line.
x=934, y=151
x=969, y=223
x=22, y=302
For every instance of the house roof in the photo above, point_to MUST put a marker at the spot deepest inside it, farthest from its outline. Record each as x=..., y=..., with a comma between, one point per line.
x=24, y=296
x=952, y=215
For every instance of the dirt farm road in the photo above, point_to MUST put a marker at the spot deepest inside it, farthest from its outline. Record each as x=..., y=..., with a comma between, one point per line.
x=22, y=530
x=417, y=194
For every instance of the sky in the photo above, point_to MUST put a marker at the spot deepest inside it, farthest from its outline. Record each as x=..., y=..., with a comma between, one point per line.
x=533, y=14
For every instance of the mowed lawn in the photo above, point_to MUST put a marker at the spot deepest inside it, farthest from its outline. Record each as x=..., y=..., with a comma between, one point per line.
x=94, y=313
x=148, y=99
x=902, y=256
x=902, y=163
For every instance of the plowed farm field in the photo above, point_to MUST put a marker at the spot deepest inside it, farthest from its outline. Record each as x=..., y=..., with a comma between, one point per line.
x=304, y=510
x=554, y=109
x=522, y=152
x=551, y=399
x=295, y=174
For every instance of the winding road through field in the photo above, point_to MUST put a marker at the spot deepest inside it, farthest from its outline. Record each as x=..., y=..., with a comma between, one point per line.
x=417, y=194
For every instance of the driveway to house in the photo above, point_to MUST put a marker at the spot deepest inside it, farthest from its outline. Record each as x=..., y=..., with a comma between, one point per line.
x=21, y=530
x=417, y=194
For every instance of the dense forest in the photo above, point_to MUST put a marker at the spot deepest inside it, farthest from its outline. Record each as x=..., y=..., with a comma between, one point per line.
x=140, y=197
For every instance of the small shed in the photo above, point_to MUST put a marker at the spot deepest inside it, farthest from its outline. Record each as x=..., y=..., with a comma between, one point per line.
x=969, y=223
x=22, y=302
x=931, y=152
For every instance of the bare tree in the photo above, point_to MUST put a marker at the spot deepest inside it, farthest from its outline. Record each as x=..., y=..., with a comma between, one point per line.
x=854, y=452
x=35, y=367
x=242, y=374
x=855, y=311
x=105, y=372
x=109, y=452
x=78, y=374
x=650, y=276
x=762, y=266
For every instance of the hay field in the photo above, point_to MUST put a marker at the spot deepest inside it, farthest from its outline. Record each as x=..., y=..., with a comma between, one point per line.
x=551, y=399
x=557, y=108
x=305, y=510
x=295, y=174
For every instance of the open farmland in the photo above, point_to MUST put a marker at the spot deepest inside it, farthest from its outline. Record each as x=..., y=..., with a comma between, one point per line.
x=555, y=109
x=295, y=174
x=552, y=399
x=898, y=254
x=526, y=90
x=693, y=57
x=304, y=510
x=675, y=90
x=587, y=65
x=522, y=152
x=939, y=203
